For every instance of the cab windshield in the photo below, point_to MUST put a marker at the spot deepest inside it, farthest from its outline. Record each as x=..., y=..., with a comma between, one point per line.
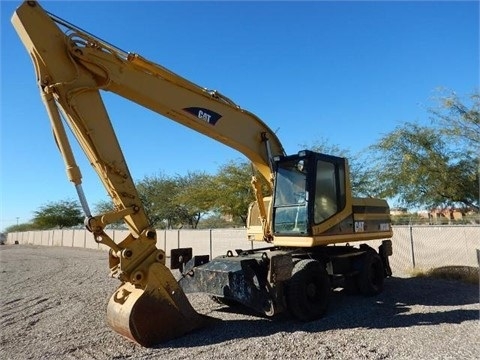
x=291, y=198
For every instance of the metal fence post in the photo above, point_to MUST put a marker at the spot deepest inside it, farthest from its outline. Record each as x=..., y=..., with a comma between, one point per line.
x=412, y=246
x=211, y=244
x=165, y=240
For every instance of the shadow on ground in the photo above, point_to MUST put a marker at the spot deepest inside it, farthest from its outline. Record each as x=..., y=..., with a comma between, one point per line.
x=391, y=309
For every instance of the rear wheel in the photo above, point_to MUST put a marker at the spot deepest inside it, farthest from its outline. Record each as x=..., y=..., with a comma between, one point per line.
x=371, y=276
x=308, y=290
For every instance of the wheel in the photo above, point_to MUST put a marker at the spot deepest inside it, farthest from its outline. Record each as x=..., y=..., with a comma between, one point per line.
x=308, y=290
x=371, y=276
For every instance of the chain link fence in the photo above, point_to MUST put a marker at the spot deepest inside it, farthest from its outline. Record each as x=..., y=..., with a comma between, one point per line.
x=415, y=247
x=427, y=247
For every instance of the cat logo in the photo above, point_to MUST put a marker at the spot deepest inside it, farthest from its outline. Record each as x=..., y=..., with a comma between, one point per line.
x=209, y=116
x=204, y=116
x=359, y=226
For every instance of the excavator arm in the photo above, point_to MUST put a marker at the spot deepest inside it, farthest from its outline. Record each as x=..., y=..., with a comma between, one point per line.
x=72, y=69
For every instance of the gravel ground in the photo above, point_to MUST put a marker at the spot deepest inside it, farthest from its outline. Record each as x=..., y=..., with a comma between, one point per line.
x=53, y=305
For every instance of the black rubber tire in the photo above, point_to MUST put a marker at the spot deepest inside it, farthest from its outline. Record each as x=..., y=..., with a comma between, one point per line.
x=372, y=274
x=308, y=291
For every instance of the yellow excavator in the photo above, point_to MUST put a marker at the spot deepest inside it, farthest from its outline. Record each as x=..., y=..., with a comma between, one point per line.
x=308, y=220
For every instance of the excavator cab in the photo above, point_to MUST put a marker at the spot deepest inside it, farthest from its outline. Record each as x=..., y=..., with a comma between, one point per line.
x=309, y=189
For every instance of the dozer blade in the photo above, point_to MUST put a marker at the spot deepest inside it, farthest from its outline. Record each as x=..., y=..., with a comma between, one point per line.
x=156, y=314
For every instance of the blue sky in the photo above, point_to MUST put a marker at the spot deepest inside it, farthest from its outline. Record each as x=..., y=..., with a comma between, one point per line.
x=348, y=72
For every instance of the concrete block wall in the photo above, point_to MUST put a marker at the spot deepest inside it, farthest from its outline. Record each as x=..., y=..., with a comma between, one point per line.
x=420, y=247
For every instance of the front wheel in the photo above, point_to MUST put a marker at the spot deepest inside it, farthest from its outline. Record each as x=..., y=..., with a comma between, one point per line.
x=372, y=275
x=308, y=290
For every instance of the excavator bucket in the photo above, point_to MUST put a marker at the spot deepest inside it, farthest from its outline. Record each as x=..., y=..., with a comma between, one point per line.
x=156, y=314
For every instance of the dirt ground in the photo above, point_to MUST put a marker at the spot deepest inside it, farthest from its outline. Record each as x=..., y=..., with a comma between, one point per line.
x=53, y=306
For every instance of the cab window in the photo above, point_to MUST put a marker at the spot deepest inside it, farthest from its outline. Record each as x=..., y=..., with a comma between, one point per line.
x=326, y=191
